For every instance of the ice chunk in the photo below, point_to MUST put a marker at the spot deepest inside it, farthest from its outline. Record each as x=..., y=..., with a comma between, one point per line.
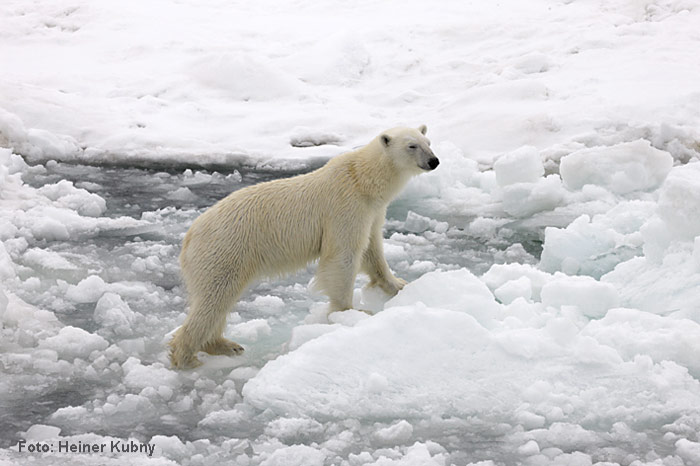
x=382, y=359
x=35, y=143
x=252, y=330
x=530, y=420
x=223, y=419
x=622, y=168
x=7, y=265
x=521, y=166
x=377, y=378
x=679, y=201
x=420, y=454
x=170, y=446
x=657, y=238
x=595, y=246
x=269, y=305
x=303, y=333
x=295, y=455
x=485, y=227
x=64, y=194
x=89, y=290
x=371, y=298
x=422, y=267
x=394, y=252
x=3, y=303
x=47, y=259
x=112, y=313
x=578, y=248
x=513, y=289
x=632, y=332
x=26, y=322
x=660, y=286
x=348, y=318
x=591, y=297
x=307, y=137
x=183, y=194
x=418, y=224
x=41, y=432
x=73, y=342
x=524, y=199
x=456, y=290
x=568, y=436
x=689, y=451
x=396, y=434
x=500, y=274
x=288, y=429
x=376, y=383
x=155, y=375
x=50, y=223
x=458, y=181
x=677, y=212
x=529, y=448
x=134, y=407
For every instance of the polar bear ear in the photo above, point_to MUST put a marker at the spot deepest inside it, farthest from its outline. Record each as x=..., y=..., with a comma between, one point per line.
x=385, y=139
x=423, y=129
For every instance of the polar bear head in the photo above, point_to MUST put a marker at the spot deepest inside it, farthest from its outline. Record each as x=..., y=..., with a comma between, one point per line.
x=409, y=149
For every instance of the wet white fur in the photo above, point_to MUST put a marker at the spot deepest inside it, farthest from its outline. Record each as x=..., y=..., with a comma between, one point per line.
x=334, y=214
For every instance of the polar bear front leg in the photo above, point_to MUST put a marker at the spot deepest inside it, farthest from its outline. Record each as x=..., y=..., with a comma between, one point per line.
x=374, y=264
x=335, y=277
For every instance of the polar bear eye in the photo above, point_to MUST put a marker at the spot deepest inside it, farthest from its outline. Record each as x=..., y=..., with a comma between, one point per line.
x=413, y=147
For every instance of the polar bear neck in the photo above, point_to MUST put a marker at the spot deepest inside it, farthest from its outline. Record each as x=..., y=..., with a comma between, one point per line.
x=374, y=174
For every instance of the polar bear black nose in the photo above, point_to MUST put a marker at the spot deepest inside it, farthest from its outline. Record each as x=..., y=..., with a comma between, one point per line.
x=433, y=162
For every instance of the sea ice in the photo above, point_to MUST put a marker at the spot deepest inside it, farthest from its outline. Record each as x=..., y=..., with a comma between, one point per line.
x=569, y=128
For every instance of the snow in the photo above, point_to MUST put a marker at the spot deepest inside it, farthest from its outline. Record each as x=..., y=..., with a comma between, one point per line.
x=551, y=315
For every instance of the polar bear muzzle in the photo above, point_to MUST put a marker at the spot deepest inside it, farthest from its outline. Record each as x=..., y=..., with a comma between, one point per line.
x=433, y=162
x=427, y=160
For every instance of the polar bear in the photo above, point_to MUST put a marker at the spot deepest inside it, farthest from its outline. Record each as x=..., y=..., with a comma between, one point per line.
x=334, y=214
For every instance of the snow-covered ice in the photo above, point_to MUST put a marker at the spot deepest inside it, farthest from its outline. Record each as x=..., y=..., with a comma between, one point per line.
x=552, y=315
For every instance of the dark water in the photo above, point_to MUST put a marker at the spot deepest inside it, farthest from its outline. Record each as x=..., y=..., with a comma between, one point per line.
x=132, y=191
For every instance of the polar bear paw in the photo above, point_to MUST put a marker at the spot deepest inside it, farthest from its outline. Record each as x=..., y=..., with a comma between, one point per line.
x=391, y=286
x=184, y=361
x=223, y=346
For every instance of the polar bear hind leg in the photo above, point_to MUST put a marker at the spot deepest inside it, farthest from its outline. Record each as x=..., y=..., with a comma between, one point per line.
x=204, y=326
